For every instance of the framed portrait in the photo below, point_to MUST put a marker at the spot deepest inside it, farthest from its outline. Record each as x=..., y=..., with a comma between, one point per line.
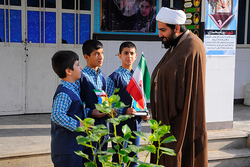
x=224, y=7
x=128, y=16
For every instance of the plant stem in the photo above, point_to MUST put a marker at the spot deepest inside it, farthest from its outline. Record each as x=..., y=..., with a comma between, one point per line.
x=115, y=133
x=93, y=152
x=158, y=152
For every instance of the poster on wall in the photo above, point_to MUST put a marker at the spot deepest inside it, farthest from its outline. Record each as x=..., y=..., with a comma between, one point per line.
x=220, y=27
x=128, y=16
x=192, y=8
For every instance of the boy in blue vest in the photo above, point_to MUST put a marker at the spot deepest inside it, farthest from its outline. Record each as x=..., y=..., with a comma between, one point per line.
x=66, y=104
x=93, y=78
x=120, y=79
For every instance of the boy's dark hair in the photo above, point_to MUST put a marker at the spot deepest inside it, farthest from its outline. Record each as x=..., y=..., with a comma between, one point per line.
x=91, y=45
x=62, y=60
x=126, y=45
x=151, y=2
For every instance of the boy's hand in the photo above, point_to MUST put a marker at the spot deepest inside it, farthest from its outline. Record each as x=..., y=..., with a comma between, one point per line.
x=97, y=114
x=130, y=111
x=145, y=118
x=114, y=113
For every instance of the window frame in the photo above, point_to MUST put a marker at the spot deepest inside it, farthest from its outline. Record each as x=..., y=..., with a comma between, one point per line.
x=58, y=10
x=244, y=45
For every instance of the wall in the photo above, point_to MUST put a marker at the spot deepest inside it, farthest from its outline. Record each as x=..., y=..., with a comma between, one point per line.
x=220, y=91
x=153, y=52
x=242, y=72
x=219, y=78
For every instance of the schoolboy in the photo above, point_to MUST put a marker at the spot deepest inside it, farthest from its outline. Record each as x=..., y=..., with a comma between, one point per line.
x=92, y=78
x=66, y=104
x=120, y=79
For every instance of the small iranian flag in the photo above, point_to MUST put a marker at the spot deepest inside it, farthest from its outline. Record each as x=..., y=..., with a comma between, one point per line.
x=139, y=85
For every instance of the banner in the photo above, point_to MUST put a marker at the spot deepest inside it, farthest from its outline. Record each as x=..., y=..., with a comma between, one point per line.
x=220, y=27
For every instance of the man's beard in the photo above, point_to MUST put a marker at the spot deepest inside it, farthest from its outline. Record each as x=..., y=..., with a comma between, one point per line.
x=169, y=41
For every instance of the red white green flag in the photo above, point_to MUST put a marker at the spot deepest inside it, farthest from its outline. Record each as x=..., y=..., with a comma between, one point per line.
x=139, y=85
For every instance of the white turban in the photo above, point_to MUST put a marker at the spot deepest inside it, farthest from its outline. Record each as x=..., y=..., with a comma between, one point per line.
x=170, y=16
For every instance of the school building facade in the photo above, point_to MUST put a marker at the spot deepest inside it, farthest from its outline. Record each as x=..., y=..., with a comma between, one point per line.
x=31, y=31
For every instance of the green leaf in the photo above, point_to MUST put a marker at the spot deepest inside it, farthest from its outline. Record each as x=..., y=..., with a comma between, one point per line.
x=153, y=124
x=101, y=152
x=81, y=129
x=102, y=108
x=126, y=159
x=135, y=159
x=89, y=121
x=127, y=150
x=162, y=130
x=110, y=139
x=126, y=129
x=119, y=105
x=114, y=99
x=122, y=152
x=117, y=147
x=140, y=134
x=100, y=132
x=105, y=104
x=101, y=126
x=150, y=148
x=112, y=151
x=124, y=117
x=104, y=158
x=127, y=136
x=116, y=90
x=90, y=164
x=99, y=107
x=82, y=140
x=144, y=165
x=115, y=121
x=134, y=148
x=80, y=153
x=169, y=139
x=93, y=137
x=167, y=151
x=119, y=139
x=154, y=137
x=148, y=164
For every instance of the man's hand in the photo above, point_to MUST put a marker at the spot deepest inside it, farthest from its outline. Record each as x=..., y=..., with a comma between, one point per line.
x=130, y=111
x=97, y=114
x=145, y=118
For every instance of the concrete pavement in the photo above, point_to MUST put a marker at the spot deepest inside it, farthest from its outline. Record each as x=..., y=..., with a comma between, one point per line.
x=29, y=134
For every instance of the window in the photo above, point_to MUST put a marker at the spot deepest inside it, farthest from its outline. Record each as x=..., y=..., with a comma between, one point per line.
x=241, y=21
x=71, y=29
x=72, y=4
x=243, y=27
x=10, y=25
x=12, y=2
x=35, y=3
x=76, y=22
x=37, y=27
x=40, y=24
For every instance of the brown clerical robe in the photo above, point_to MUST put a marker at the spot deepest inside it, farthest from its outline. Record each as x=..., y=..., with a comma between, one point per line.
x=178, y=99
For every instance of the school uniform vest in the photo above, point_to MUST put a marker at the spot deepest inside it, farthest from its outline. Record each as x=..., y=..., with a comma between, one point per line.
x=88, y=95
x=134, y=122
x=63, y=141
